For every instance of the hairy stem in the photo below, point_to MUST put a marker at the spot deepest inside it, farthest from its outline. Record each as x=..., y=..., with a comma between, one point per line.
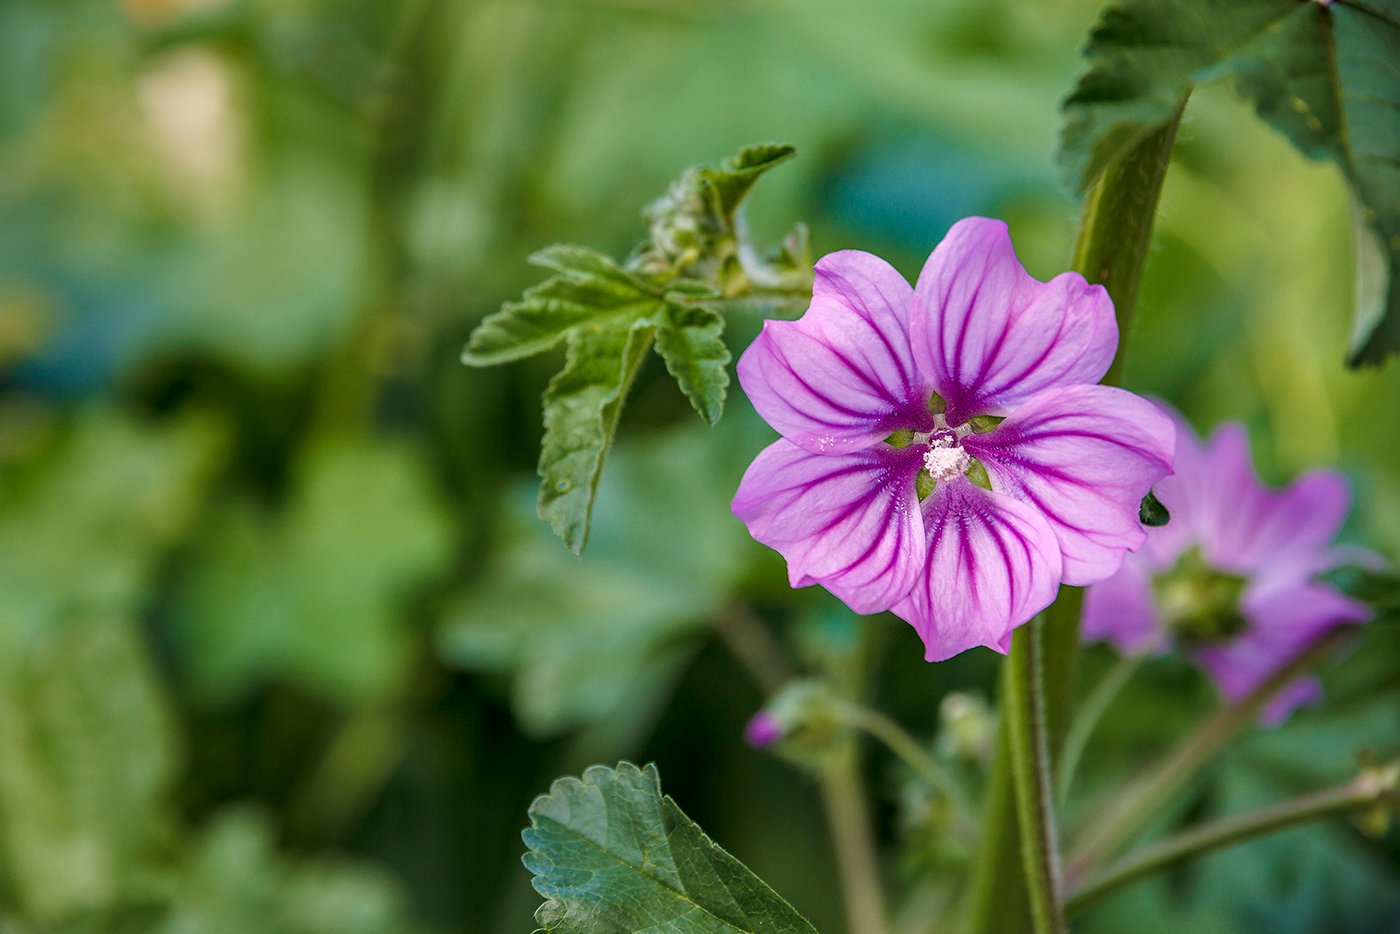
x=1373, y=788
x=1023, y=704
x=1115, y=231
x=912, y=753
x=1134, y=805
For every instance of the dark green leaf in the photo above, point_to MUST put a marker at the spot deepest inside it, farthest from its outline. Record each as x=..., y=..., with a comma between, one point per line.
x=611, y=853
x=588, y=288
x=691, y=341
x=581, y=409
x=1152, y=513
x=1323, y=76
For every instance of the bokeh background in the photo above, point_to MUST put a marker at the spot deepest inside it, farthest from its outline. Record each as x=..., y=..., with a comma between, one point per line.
x=283, y=647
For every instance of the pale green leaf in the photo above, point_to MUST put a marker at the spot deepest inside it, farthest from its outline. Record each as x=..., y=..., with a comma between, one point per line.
x=596, y=645
x=731, y=182
x=1324, y=76
x=588, y=288
x=235, y=880
x=87, y=760
x=691, y=341
x=318, y=593
x=581, y=409
x=611, y=853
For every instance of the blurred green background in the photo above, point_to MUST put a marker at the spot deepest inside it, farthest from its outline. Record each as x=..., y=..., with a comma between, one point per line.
x=283, y=647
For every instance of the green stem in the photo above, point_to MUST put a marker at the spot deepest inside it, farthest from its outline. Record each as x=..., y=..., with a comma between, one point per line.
x=1125, y=814
x=1114, y=234
x=1084, y=723
x=1023, y=703
x=912, y=753
x=853, y=840
x=1372, y=788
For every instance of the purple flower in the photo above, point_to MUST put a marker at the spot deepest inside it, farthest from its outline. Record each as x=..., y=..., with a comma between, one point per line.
x=944, y=453
x=1232, y=577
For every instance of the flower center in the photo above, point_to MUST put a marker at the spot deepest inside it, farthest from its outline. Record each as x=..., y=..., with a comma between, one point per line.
x=945, y=458
x=1198, y=603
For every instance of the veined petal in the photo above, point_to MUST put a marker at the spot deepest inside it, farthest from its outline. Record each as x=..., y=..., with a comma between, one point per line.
x=990, y=335
x=1083, y=457
x=842, y=377
x=849, y=522
x=1121, y=610
x=1283, y=621
x=992, y=563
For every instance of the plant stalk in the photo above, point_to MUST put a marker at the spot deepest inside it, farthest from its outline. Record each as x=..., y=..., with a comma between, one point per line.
x=853, y=840
x=1134, y=805
x=1375, y=787
x=1023, y=703
x=1115, y=231
x=912, y=753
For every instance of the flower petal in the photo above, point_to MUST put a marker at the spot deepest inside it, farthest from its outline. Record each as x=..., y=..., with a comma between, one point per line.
x=1283, y=621
x=990, y=335
x=1082, y=456
x=992, y=563
x=842, y=377
x=849, y=522
x=1121, y=610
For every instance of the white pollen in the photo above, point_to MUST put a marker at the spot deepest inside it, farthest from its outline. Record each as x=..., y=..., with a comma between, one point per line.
x=945, y=462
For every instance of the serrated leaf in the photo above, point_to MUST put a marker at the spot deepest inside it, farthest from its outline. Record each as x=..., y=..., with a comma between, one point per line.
x=1324, y=76
x=691, y=341
x=588, y=288
x=729, y=184
x=611, y=853
x=581, y=409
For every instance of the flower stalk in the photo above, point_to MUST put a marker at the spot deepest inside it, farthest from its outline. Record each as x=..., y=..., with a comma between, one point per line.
x=1115, y=232
x=1378, y=787
x=1136, y=804
x=916, y=758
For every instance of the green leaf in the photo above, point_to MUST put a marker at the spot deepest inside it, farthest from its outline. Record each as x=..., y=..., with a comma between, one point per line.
x=581, y=409
x=234, y=879
x=730, y=183
x=316, y=593
x=87, y=763
x=691, y=341
x=589, y=288
x=1323, y=76
x=596, y=646
x=611, y=853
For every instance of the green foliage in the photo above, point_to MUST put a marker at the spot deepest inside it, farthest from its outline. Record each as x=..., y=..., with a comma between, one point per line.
x=1322, y=76
x=694, y=258
x=581, y=410
x=315, y=594
x=597, y=645
x=611, y=853
x=588, y=288
x=87, y=755
x=234, y=880
x=691, y=341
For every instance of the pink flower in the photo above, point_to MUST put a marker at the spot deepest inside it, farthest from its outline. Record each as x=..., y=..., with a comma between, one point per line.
x=1232, y=577
x=944, y=453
